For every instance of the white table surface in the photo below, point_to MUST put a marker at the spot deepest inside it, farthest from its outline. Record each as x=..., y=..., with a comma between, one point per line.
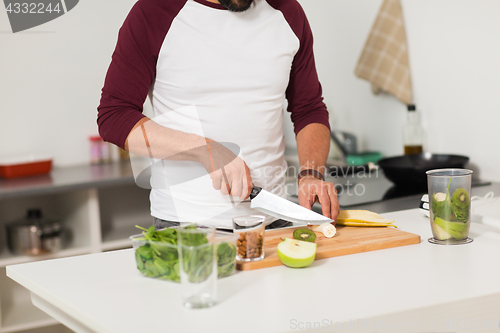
x=454, y=287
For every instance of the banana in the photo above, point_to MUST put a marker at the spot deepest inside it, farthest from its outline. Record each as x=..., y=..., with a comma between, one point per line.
x=362, y=218
x=366, y=224
x=326, y=228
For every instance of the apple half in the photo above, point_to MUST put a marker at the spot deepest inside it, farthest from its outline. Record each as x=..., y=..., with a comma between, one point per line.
x=295, y=253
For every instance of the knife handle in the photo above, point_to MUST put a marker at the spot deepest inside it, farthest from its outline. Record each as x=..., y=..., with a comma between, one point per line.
x=255, y=191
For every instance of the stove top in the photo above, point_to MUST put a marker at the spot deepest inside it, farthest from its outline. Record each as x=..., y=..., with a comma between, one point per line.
x=364, y=188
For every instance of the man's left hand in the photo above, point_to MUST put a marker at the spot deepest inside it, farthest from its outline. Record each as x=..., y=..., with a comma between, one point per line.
x=312, y=189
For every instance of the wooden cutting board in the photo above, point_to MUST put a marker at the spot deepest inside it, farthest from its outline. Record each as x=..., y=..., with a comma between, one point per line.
x=348, y=240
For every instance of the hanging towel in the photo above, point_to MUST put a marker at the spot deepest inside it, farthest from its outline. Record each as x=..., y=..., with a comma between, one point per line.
x=384, y=60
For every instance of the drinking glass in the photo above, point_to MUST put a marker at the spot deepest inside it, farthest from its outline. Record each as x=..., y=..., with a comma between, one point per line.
x=197, y=266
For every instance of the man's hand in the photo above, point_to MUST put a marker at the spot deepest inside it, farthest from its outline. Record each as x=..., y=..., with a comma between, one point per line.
x=229, y=173
x=312, y=189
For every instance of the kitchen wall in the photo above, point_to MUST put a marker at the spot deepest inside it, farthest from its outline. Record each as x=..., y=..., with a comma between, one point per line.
x=51, y=76
x=454, y=53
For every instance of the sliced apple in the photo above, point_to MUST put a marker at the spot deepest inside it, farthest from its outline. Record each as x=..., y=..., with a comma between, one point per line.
x=451, y=225
x=296, y=253
x=457, y=230
x=440, y=233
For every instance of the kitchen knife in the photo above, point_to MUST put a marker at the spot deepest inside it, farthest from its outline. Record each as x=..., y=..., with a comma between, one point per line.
x=281, y=208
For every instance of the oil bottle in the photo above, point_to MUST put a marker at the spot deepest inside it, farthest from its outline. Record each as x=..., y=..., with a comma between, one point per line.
x=413, y=132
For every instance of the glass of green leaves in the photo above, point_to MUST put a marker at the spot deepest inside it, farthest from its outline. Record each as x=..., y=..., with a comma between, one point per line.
x=156, y=253
x=197, y=266
x=449, y=199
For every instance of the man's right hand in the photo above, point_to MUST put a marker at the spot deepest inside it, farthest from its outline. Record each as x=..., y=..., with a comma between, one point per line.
x=229, y=173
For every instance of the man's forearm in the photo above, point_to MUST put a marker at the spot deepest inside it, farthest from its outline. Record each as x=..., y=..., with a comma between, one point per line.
x=229, y=173
x=313, y=146
x=150, y=139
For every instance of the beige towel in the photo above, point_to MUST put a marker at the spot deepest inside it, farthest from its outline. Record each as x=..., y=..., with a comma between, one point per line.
x=384, y=60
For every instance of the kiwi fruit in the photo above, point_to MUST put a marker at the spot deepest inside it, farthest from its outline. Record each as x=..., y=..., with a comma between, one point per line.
x=460, y=198
x=460, y=205
x=304, y=235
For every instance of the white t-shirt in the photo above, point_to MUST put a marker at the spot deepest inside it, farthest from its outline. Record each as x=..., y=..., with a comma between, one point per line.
x=221, y=75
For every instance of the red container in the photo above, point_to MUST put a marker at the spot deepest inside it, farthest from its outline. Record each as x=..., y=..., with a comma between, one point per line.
x=25, y=166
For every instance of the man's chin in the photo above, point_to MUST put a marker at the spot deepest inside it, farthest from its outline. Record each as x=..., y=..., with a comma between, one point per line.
x=236, y=5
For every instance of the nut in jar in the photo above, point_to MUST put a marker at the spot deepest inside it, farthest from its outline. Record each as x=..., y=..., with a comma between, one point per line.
x=250, y=229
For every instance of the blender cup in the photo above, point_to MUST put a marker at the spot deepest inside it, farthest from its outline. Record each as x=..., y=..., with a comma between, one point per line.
x=449, y=200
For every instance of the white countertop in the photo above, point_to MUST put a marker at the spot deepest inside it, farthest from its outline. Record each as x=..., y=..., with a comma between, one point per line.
x=456, y=287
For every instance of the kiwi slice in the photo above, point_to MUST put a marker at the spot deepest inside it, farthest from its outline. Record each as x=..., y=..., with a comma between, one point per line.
x=304, y=235
x=460, y=198
x=460, y=205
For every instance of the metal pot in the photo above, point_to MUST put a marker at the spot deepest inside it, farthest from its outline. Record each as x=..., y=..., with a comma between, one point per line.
x=34, y=235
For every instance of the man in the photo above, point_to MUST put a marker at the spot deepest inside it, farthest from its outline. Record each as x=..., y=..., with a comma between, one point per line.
x=218, y=73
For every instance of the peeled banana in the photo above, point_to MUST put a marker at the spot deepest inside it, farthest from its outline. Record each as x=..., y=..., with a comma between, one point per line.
x=362, y=218
x=326, y=228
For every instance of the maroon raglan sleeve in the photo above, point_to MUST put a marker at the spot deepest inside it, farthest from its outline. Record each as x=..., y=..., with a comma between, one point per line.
x=133, y=67
x=304, y=93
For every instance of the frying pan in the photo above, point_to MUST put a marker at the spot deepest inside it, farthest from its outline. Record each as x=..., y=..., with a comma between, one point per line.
x=409, y=170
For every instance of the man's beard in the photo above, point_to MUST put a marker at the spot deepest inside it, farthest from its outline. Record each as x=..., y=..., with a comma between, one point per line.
x=236, y=5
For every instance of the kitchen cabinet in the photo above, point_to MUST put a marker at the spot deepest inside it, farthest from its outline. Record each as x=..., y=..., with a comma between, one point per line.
x=98, y=205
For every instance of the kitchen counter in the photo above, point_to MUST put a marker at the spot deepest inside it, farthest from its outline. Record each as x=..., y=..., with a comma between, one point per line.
x=63, y=179
x=416, y=288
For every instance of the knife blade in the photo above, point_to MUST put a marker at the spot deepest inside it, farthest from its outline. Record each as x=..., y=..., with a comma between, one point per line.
x=276, y=206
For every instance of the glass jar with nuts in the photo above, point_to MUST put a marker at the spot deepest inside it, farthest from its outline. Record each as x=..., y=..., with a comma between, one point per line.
x=250, y=229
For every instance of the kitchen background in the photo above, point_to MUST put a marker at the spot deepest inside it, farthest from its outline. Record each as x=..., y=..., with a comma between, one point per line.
x=51, y=76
